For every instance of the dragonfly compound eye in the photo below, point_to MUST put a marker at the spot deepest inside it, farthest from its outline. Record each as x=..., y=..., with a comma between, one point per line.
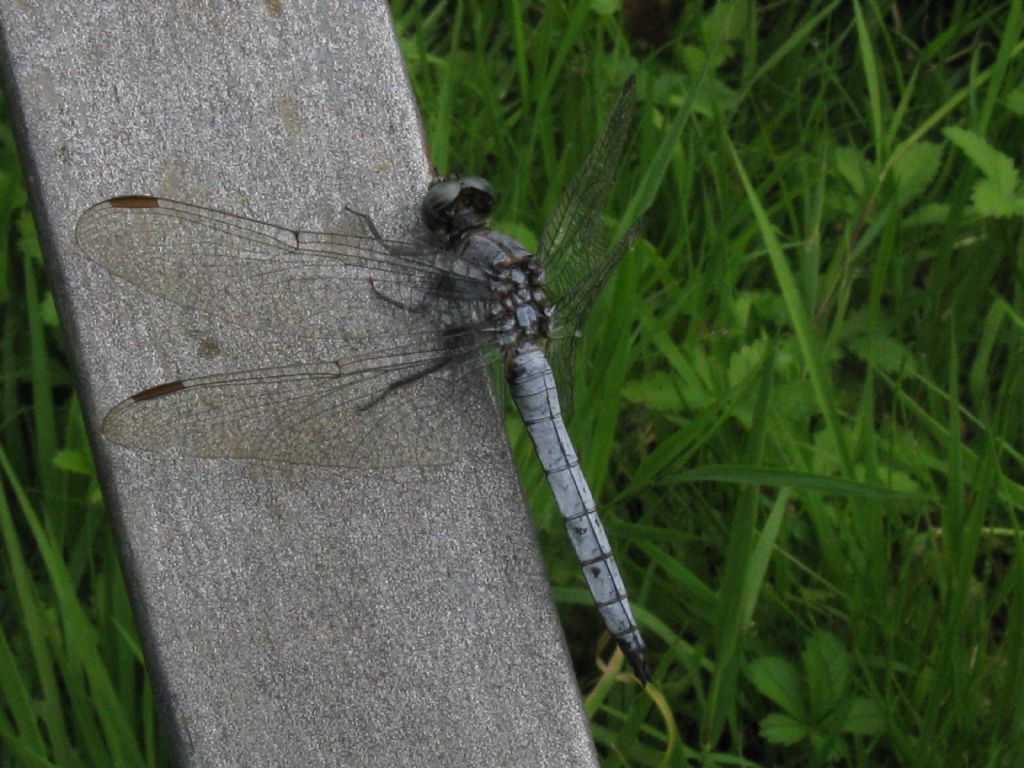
x=477, y=194
x=452, y=194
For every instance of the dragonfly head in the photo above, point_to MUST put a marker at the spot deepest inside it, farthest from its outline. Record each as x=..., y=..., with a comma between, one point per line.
x=454, y=205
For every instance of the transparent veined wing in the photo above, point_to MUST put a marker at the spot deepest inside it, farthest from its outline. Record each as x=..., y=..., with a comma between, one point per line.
x=365, y=412
x=561, y=349
x=259, y=275
x=573, y=246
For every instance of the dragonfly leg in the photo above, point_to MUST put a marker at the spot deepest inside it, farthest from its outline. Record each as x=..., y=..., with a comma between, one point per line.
x=367, y=222
x=396, y=385
x=416, y=309
x=451, y=342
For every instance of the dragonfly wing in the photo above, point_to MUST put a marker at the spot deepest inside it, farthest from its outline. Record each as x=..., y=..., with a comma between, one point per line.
x=571, y=314
x=572, y=245
x=259, y=275
x=371, y=411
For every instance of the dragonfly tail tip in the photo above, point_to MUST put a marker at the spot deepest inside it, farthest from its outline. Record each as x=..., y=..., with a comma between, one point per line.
x=638, y=661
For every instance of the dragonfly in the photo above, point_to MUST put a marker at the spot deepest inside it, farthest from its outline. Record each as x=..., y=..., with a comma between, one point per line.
x=472, y=299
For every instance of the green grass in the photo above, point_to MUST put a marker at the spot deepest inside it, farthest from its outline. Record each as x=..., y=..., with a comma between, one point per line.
x=799, y=399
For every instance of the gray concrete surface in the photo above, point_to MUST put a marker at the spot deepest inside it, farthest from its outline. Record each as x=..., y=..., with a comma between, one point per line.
x=292, y=615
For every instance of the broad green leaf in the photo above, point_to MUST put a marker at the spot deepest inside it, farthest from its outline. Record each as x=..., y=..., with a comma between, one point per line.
x=605, y=7
x=779, y=680
x=854, y=169
x=884, y=352
x=659, y=392
x=741, y=308
x=699, y=93
x=990, y=200
x=927, y=215
x=727, y=20
x=782, y=729
x=73, y=461
x=1014, y=100
x=897, y=481
x=793, y=400
x=864, y=718
x=820, y=743
x=745, y=360
x=996, y=166
x=825, y=458
x=694, y=58
x=827, y=665
x=915, y=169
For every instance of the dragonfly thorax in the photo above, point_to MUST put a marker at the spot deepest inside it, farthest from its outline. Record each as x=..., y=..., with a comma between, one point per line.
x=520, y=310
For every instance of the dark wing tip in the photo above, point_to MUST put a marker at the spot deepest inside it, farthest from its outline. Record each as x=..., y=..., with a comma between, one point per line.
x=134, y=201
x=158, y=391
x=94, y=212
x=125, y=424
